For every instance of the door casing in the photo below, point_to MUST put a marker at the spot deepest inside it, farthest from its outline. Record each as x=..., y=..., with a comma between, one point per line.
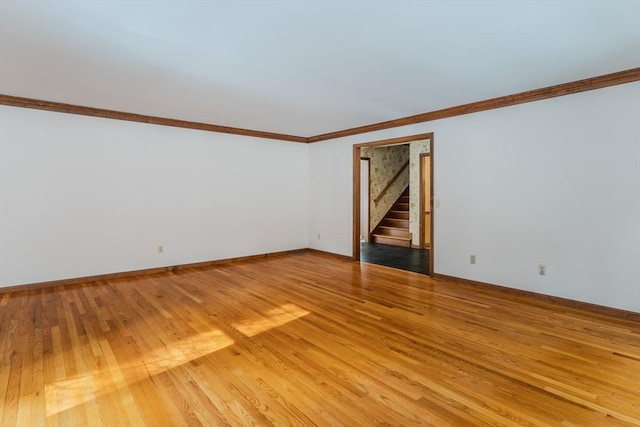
x=356, y=189
x=424, y=202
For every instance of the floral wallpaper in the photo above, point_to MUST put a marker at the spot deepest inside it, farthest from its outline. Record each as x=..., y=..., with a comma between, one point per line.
x=384, y=164
x=416, y=148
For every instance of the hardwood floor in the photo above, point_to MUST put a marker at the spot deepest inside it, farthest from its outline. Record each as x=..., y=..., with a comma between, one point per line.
x=308, y=339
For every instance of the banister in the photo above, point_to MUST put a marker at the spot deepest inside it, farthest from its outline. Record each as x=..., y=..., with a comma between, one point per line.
x=391, y=181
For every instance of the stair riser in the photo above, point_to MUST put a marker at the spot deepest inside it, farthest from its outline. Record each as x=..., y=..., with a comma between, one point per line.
x=401, y=207
x=393, y=231
x=390, y=241
x=398, y=232
x=399, y=223
x=398, y=215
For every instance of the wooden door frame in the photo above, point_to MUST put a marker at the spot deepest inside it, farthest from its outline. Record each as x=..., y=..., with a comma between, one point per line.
x=368, y=236
x=422, y=201
x=355, y=241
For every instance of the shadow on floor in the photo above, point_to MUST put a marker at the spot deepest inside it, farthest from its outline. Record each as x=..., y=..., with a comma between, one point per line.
x=416, y=260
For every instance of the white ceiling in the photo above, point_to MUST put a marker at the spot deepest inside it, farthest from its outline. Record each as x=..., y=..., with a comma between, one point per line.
x=305, y=67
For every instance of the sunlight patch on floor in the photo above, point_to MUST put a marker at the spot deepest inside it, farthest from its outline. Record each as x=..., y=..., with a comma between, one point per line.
x=67, y=393
x=114, y=376
x=276, y=317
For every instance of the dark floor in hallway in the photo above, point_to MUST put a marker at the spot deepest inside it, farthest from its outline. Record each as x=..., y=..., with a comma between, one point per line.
x=408, y=259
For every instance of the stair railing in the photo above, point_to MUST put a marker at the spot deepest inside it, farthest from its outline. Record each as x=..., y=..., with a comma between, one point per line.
x=391, y=181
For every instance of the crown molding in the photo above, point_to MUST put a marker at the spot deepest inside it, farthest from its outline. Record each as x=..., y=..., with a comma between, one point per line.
x=59, y=107
x=599, y=82
x=577, y=86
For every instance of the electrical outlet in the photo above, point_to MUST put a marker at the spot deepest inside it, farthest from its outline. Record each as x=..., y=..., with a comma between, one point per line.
x=160, y=249
x=318, y=236
x=542, y=269
x=472, y=259
x=437, y=203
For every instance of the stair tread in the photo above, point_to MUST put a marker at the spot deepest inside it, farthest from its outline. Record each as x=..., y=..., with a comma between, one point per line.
x=391, y=240
x=386, y=236
x=392, y=232
x=395, y=219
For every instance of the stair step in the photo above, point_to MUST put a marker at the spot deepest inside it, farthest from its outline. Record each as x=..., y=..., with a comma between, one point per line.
x=395, y=222
x=394, y=227
x=398, y=214
x=392, y=240
x=392, y=231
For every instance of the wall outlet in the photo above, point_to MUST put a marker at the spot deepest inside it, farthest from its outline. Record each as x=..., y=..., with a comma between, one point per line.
x=160, y=249
x=472, y=259
x=437, y=203
x=542, y=269
x=318, y=236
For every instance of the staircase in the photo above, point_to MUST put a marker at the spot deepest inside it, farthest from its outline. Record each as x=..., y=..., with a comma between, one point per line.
x=394, y=227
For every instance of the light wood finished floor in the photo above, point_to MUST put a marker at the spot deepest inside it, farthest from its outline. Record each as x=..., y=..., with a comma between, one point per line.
x=308, y=339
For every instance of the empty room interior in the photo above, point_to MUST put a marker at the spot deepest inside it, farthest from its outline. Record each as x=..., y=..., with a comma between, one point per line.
x=199, y=200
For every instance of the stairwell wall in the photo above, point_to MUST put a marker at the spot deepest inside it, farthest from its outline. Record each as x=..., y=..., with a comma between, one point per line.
x=384, y=164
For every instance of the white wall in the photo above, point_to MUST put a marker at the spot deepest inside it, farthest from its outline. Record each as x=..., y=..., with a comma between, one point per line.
x=82, y=196
x=554, y=182
x=330, y=197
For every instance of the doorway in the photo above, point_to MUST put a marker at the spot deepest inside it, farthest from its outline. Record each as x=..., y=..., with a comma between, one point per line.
x=423, y=233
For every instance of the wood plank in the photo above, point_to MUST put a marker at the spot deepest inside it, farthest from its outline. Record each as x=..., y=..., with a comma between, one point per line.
x=310, y=339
